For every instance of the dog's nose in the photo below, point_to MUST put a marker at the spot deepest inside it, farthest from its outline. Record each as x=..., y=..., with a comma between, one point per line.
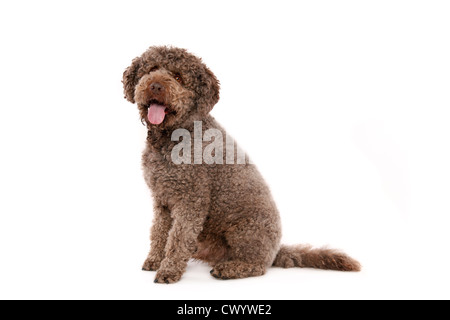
x=156, y=87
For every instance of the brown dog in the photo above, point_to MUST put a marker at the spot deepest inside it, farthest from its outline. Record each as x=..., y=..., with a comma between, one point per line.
x=217, y=211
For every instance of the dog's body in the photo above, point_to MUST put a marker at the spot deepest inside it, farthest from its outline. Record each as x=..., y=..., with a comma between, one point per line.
x=223, y=214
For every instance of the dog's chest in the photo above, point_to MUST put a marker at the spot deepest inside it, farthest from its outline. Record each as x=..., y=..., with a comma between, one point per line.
x=167, y=181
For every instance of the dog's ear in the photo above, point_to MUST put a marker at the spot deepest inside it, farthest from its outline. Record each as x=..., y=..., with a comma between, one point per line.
x=210, y=91
x=130, y=79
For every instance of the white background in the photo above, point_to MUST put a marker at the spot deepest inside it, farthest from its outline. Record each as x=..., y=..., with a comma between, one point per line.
x=343, y=105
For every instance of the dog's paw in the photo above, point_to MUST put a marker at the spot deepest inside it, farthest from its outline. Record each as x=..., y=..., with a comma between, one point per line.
x=167, y=276
x=237, y=270
x=219, y=273
x=151, y=264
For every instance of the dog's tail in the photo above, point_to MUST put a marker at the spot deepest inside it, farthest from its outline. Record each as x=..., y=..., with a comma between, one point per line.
x=304, y=256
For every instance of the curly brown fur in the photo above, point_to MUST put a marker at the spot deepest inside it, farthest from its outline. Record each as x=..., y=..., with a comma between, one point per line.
x=304, y=256
x=219, y=213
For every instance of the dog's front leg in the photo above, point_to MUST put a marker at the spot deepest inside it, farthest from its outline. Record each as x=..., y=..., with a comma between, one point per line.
x=188, y=219
x=162, y=222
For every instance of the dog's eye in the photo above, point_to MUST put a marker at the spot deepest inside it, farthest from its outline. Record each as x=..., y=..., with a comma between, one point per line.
x=177, y=77
x=154, y=69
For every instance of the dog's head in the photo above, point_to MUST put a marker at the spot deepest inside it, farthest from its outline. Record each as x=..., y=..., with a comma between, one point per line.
x=170, y=86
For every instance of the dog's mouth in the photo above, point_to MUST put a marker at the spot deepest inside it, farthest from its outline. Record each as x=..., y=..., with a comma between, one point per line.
x=158, y=111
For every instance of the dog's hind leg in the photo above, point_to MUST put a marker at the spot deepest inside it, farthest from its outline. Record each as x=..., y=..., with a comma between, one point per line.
x=251, y=251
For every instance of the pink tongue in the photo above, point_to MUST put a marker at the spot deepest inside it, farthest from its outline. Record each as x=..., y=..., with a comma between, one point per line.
x=156, y=113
